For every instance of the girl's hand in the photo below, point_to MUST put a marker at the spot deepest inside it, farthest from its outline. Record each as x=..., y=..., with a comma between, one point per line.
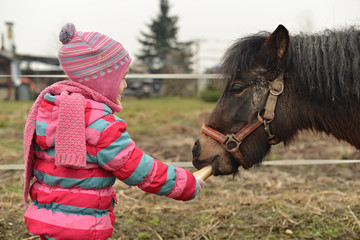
x=200, y=185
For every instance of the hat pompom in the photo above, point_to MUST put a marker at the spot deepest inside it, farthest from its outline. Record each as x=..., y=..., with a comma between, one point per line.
x=67, y=33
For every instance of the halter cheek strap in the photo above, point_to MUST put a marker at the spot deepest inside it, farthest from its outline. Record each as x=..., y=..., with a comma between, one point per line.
x=231, y=142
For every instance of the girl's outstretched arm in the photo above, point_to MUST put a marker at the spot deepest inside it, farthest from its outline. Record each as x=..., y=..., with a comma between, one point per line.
x=116, y=152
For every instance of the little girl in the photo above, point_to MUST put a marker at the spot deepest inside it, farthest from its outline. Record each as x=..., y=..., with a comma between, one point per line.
x=75, y=147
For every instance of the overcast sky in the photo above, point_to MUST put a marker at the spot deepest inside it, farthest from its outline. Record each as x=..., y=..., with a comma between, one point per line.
x=214, y=23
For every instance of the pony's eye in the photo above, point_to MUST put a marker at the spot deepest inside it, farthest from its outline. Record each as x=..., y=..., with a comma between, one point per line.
x=236, y=89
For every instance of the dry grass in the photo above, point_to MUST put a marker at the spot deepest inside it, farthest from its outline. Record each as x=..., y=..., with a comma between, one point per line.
x=302, y=202
x=264, y=203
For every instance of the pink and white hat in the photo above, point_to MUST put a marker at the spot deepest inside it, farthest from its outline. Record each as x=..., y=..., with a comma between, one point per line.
x=94, y=60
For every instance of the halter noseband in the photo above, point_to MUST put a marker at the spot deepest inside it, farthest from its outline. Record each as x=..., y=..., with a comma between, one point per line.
x=231, y=142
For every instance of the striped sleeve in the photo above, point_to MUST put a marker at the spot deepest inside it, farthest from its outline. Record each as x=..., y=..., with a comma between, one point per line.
x=116, y=152
x=114, y=145
x=154, y=176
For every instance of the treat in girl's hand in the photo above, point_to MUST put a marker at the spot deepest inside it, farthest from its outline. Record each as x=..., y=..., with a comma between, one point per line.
x=204, y=173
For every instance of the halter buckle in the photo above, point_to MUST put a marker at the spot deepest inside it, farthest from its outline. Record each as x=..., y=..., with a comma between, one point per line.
x=231, y=142
x=232, y=145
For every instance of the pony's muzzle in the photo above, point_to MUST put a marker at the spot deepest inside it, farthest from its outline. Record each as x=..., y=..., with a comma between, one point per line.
x=196, y=150
x=200, y=163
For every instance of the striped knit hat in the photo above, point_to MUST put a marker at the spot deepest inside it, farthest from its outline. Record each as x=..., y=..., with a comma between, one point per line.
x=94, y=60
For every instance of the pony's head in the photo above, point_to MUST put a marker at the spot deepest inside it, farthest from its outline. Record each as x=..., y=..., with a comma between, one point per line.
x=250, y=66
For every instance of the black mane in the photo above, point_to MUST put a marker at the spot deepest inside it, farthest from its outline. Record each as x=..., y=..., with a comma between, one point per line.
x=328, y=63
x=325, y=65
x=240, y=55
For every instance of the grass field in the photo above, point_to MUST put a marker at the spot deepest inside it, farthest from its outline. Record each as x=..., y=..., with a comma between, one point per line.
x=284, y=202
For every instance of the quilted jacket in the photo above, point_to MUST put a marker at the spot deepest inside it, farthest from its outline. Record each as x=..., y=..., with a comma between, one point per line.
x=70, y=203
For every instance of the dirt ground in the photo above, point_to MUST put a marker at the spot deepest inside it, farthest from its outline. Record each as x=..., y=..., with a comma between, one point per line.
x=267, y=202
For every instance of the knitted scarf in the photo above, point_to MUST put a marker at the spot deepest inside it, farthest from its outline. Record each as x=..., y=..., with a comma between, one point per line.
x=70, y=146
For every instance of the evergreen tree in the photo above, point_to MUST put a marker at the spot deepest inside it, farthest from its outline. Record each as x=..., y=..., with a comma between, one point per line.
x=161, y=52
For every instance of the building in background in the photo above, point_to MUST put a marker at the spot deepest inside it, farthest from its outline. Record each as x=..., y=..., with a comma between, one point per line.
x=6, y=59
x=13, y=65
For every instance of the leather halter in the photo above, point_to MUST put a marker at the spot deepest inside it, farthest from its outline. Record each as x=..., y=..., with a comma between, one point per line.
x=231, y=142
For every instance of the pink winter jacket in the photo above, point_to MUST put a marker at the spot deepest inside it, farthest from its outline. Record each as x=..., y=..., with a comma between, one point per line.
x=77, y=203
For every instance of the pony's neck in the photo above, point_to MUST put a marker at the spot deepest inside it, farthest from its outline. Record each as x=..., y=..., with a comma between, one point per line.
x=323, y=84
x=340, y=121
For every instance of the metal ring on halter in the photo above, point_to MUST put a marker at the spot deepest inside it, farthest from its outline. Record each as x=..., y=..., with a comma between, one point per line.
x=277, y=85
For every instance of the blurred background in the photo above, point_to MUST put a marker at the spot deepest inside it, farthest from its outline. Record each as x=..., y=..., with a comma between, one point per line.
x=187, y=36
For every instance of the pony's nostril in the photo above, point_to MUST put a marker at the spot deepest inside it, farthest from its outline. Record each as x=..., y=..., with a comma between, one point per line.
x=196, y=149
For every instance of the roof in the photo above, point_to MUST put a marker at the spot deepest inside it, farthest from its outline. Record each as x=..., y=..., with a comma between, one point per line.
x=42, y=59
x=6, y=54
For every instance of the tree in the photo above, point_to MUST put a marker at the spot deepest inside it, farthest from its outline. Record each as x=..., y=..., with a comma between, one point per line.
x=161, y=51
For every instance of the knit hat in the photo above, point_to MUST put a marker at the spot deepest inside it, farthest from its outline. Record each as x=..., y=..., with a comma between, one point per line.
x=93, y=59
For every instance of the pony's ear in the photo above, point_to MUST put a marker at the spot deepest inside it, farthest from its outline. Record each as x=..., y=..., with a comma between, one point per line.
x=278, y=41
x=274, y=47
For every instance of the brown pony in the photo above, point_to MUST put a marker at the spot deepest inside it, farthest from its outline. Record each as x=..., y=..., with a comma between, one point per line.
x=282, y=84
